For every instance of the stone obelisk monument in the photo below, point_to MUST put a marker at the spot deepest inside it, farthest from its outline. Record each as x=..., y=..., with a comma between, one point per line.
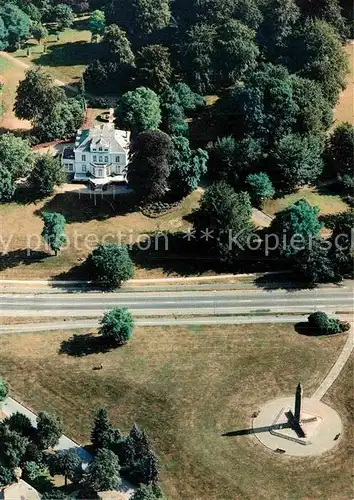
x=298, y=404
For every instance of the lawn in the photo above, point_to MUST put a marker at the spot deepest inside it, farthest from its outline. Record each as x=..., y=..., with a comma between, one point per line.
x=187, y=387
x=344, y=111
x=87, y=225
x=66, y=58
x=11, y=74
x=327, y=203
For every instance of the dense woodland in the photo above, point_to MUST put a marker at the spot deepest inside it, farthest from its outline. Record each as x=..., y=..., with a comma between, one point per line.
x=275, y=70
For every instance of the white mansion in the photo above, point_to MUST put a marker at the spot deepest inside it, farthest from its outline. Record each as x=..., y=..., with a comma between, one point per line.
x=100, y=155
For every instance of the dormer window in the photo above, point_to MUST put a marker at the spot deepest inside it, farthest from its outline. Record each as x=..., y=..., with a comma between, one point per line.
x=99, y=149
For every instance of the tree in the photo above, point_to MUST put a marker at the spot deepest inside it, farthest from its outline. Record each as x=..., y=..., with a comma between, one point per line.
x=139, y=457
x=280, y=18
x=264, y=106
x=36, y=94
x=138, y=110
x=31, y=471
x=340, y=150
x=260, y=187
x=296, y=161
x=103, y=472
x=46, y=174
x=7, y=187
x=6, y=476
x=329, y=11
x=53, y=230
x=15, y=26
x=15, y=155
x=62, y=15
x=197, y=53
x=314, y=263
x=117, y=325
x=49, y=430
x=61, y=122
x=187, y=166
x=54, y=495
x=317, y=53
x=39, y=31
x=236, y=50
x=297, y=225
x=149, y=167
x=13, y=447
x=148, y=492
x=20, y=423
x=101, y=434
x=225, y=215
x=154, y=67
x=4, y=389
x=189, y=100
x=150, y=16
x=173, y=117
x=342, y=243
x=66, y=463
x=320, y=321
x=315, y=113
x=231, y=161
x=117, y=45
x=111, y=265
x=97, y=23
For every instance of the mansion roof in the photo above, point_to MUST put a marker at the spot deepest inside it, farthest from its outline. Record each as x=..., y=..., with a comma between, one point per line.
x=102, y=137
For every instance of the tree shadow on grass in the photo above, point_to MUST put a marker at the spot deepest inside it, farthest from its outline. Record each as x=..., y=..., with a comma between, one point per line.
x=22, y=256
x=77, y=207
x=85, y=344
x=174, y=254
x=287, y=281
x=69, y=54
x=303, y=328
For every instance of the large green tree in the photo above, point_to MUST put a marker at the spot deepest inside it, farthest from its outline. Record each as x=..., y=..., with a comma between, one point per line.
x=342, y=243
x=117, y=326
x=14, y=27
x=111, y=265
x=340, y=150
x=103, y=472
x=66, y=463
x=260, y=187
x=36, y=95
x=149, y=167
x=314, y=264
x=187, y=166
x=102, y=430
x=49, y=430
x=223, y=221
x=13, y=447
x=295, y=161
x=7, y=187
x=53, y=230
x=138, y=110
x=62, y=15
x=296, y=226
x=117, y=45
x=15, y=155
x=148, y=492
x=316, y=53
x=236, y=50
x=154, y=67
x=97, y=23
x=46, y=174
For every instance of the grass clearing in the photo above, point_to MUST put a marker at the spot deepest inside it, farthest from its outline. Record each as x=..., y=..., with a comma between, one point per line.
x=65, y=58
x=187, y=388
x=11, y=74
x=327, y=203
x=344, y=111
x=87, y=225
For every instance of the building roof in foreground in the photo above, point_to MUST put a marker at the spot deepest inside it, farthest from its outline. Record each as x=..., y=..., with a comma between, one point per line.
x=19, y=491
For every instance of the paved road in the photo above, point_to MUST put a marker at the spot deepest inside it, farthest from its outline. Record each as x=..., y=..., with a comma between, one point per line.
x=216, y=302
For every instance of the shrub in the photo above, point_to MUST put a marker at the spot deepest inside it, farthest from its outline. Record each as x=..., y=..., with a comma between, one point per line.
x=20, y=423
x=3, y=389
x=327, y=326
x=99, y=102
x=117, y=325
x=111, y=264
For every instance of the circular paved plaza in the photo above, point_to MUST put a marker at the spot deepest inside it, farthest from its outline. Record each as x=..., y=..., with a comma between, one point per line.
x=321, y=424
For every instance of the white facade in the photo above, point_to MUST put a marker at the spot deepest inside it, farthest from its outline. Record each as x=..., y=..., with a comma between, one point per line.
x=100, y=154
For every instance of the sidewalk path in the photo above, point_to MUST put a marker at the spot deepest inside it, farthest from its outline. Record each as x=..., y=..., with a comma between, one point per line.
x=337, y=367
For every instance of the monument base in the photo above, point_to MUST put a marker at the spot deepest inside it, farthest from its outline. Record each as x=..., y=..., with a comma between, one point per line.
x=321, y=424
x=310, y=424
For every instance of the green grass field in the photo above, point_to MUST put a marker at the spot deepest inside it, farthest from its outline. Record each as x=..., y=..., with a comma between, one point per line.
x=187, y=387
x=327, y=203
x=66, y=58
